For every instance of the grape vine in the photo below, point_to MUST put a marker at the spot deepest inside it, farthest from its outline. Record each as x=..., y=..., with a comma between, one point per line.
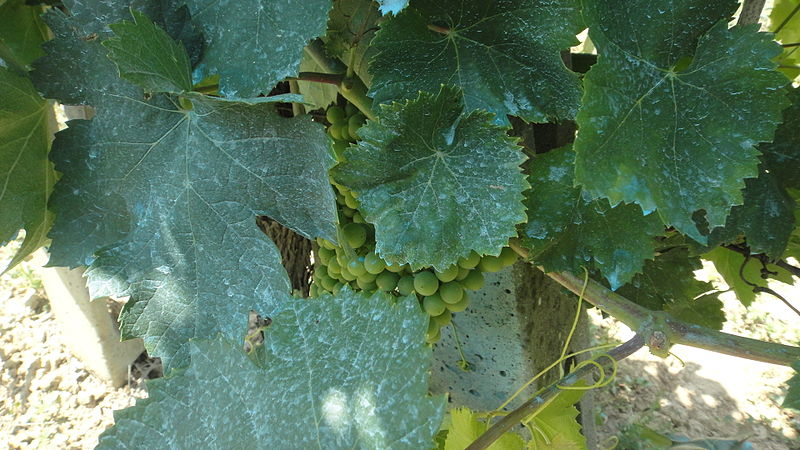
x=421, y=146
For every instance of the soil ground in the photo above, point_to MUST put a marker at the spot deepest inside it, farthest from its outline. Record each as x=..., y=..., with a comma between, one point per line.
x=49, y=400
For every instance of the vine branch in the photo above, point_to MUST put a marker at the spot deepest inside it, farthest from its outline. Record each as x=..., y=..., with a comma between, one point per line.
x=751, y=12
x=539, y=402
x=662, y=330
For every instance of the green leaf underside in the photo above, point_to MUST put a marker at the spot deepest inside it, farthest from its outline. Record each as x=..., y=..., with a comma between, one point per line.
x=789, y=34
x=266, y=37
x=668, y=283
x=733, y=269
x=676, y=140
x=350, y=371
x=26, y=175
x=436, y=183
x=792, y=399
x=171, y=197
x=465, y=428
x=148, y=57
x=22, y=31
x=565, y=231
x=505, y=56
x=557, y=424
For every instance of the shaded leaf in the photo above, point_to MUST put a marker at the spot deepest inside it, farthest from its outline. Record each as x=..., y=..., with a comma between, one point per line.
x=665, y=122
x=267, y=38
x=437, y=183
x=22, y=32
x=26, y=175
x=351, y=27
x=505, y=56
x=668, y=283
x=147, y=56
x=789, y=33
x=792, y=399
x=565, y=231
x=465, y=428
x=353, y=371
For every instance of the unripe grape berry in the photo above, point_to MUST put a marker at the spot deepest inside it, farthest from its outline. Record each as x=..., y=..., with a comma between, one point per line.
x=433, y=305
x=444, y=318
x=470, y=261
x=373, y=263
x=451, y=292
x=461, y=305
x=387, y=281
x=462, y=273
x=355, y=234
x=356, y=267
x=474, y=280
x=508, y=256
x=490, y=264
x=336, y=114
x=448, y=274
x=405, y=286
x=426, y=283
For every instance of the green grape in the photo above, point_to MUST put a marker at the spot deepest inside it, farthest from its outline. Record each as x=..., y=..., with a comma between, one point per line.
x=508, y=256
x=374, y=264
x=354, y=123
x=366, y=286
x=356, y=267
x=341, y=258
x=313, y=290
x=433, y=305
x=367, y=277
x=355, y=234
x=350, y=201
x=451, y=292
x=396, y=268
x=433, y=327
x=461, y=305
x=320, y=271
x=350, y=109
x=387, y=281
x=347, y=275
x=432, y=338
x=338, y=149
x=444, y=318
x=335, y=132
x=324, y=243
x=357, y=218
x=325, y=255
x=448, y=274
x=474, y=281
x=336, y=288
x=462, y=273
x=347, y=212
x=336, y=114
x=333, y=266
x=426, y=283
x=470, y=261
x=490, y=264
x=405, y=286
x=328, y=283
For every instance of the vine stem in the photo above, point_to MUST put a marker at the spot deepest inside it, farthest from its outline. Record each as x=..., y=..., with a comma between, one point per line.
x=539, y=402
x=780, y=263
x=319, y=77
x=662, y=330
x=751, y=12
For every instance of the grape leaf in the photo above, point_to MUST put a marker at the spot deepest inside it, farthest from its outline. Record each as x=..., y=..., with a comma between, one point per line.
x=147, y=56
x=174, y=194
x=266, y=37
x=668, y=283
x=22, y=32
x=392, y=6
x=352, y=369
x=766, y=218
x=784, y=14
x=505, y=56
x=557, y=423
x=792, y=399
x=26, y=175
x=319, y=95
x=565, y=231
x=734, y=270
x=351, y=27
x=465, y=428
x=436, y=182
x=664, y=121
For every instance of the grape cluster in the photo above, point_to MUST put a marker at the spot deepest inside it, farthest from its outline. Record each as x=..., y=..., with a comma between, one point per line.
x=354, y=261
